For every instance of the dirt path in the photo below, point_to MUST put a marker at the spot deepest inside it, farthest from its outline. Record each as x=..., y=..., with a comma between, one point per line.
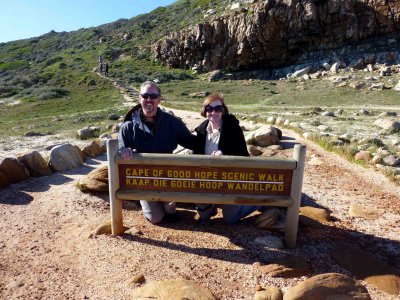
x=46, y=251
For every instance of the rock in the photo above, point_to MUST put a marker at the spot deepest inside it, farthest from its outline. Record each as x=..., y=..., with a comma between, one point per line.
x=365, y=212
x=363, y=156
x=391, y=161
x=388, y=124
x=3, y=180
x=88, y=132
x=104, y=228
x=287, y=267
x=13, y=170
x=397, y=87
x=313, y=217
x=268, y=293
x=367, y=267
x=264, y=136
x=137, y=279
x=270, y=241
x=173, y=289
x=95, y=181
x=35, y=164
x=92, y=150
x=254, y=150
x=327, y=286
x=319, y=214
x=80, y=152
x=114, y=117
x=64, y=157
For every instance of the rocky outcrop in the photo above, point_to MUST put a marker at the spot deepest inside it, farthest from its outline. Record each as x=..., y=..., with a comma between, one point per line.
x=271, y=34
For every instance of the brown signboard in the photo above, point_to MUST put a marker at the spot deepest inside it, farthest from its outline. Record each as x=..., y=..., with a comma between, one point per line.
x=197, y=179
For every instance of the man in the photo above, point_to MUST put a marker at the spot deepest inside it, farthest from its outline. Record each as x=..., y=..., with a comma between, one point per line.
x=148, y=129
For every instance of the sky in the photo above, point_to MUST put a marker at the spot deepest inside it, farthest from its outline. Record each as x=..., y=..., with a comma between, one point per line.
x=22, y=19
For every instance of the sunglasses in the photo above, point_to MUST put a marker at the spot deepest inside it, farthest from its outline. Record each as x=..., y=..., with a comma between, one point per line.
x=217, y=108
x=151, y=96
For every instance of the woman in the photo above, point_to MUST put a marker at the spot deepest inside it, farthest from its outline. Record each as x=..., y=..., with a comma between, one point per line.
x=221, y=134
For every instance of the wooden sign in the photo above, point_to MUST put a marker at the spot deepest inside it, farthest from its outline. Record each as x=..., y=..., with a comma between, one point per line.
x=197, y=179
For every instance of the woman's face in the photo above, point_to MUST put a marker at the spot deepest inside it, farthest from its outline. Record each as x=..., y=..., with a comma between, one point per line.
x=214, y=111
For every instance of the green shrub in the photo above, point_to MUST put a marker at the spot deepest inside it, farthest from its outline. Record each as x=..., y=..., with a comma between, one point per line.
x=14, y=65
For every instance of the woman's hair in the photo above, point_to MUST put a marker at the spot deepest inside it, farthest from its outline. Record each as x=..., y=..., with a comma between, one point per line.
x=212, y=98
x=151, y=83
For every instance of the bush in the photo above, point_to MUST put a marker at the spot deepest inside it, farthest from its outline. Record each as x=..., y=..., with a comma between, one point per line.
x=8, y=91
x=50, y=93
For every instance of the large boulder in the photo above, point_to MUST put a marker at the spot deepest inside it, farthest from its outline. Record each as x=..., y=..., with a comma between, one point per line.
x=95, y=181
x=264, y=136
x=35, y=164
x=64, y=157
x=13, y=170
x=328, y=286
x=173, y=289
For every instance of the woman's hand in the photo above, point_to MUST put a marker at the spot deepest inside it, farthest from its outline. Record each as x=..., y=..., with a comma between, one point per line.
x=127, y=153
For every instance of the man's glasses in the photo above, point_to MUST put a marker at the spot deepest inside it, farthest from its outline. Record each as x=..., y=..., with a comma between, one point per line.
x=151, y=96
x=217, y=108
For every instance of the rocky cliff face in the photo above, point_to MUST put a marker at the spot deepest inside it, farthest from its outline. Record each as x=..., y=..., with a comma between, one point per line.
x=271, y=34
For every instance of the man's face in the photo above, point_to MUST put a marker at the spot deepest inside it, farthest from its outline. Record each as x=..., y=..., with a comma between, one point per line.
x=149, y=99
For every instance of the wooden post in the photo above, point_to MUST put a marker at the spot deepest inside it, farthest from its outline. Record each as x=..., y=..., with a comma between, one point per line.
x=113, y=182
x=292, y=216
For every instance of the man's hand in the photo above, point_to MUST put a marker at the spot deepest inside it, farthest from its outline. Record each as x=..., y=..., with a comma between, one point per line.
x=218, y=152
x=127, y=153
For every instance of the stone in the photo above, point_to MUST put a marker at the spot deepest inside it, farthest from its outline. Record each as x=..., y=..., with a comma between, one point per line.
x=365, y=212
x=363, y=156
x=367, y=267
x=95, y=181
x=80, y=152
x=327, y=286
x=287, y=267
x=137, y=279
x=319, y=214
x=173, y=289
x=104, y=228
x=92, y=150
x=64, y=157
x=388, y=124
x=3, y=180
x=35, y=164
x=264, y=136
x=88, y=132
x=391, y=161
x=254, y=150
x=13, y=170
x=268, y=293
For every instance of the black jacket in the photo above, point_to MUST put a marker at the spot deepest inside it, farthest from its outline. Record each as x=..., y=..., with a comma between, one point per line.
x=169, y=131
x=231, y=141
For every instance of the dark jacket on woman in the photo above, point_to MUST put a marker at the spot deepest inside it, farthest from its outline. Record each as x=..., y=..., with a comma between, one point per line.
x=231, y=141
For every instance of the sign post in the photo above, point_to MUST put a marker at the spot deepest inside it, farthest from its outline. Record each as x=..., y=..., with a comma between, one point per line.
x=205, y=179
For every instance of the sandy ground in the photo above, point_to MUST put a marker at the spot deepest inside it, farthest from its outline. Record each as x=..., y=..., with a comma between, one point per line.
x=46, y=251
